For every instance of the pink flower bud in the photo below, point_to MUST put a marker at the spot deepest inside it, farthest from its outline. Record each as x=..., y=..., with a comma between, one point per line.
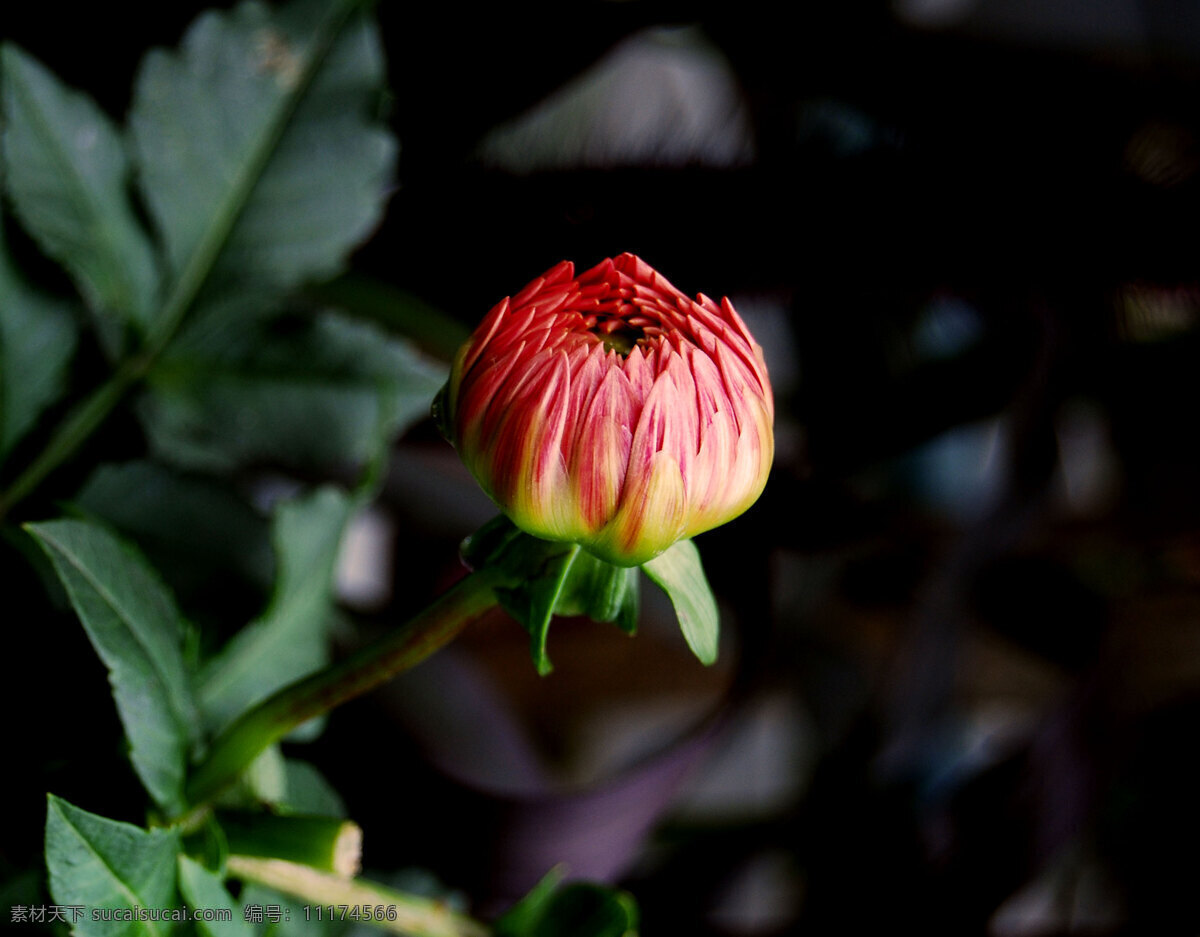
x=611, y=411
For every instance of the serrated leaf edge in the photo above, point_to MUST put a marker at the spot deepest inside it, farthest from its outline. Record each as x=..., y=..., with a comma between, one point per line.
x=134, y=899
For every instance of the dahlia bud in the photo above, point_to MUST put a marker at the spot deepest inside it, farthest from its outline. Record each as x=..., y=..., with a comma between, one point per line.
x=611, y=411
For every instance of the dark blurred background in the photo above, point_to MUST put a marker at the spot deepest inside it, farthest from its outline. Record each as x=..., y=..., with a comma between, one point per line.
x=962, y=628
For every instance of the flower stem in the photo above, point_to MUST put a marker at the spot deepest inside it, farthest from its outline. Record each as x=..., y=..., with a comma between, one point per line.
x=323, y=893
x=319, y=693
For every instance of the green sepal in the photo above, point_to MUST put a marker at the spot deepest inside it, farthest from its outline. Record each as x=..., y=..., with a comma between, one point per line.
x=549, y=578
x=679, y=573
x=601, y=591
x=534, y=602
x=537, y=570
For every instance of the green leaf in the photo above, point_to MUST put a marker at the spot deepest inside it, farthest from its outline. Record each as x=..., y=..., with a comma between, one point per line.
x=204, y=891
x=576, y=910
x=309, y=792
x=37, y=339
x=332, y=392
x=97, y=863
x=679, y=573
x=261, y=160
x=151, y=503
x=289, y=640
x=66, y=174
x=397, y=310
x=133, y=624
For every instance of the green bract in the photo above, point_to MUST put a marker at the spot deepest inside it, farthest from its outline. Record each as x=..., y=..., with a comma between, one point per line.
x=553, y=578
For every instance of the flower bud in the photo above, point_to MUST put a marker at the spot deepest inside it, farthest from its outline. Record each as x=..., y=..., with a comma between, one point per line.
x=611, y=411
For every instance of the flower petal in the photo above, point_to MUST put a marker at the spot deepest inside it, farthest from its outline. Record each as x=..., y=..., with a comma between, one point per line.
x=622, y=451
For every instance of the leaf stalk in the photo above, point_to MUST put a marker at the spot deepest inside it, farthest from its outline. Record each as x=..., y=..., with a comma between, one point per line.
x=315, y=695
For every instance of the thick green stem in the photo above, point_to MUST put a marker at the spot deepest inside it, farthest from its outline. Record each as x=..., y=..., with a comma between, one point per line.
x=322, y=843
x=325, y=894
x=276, y=716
